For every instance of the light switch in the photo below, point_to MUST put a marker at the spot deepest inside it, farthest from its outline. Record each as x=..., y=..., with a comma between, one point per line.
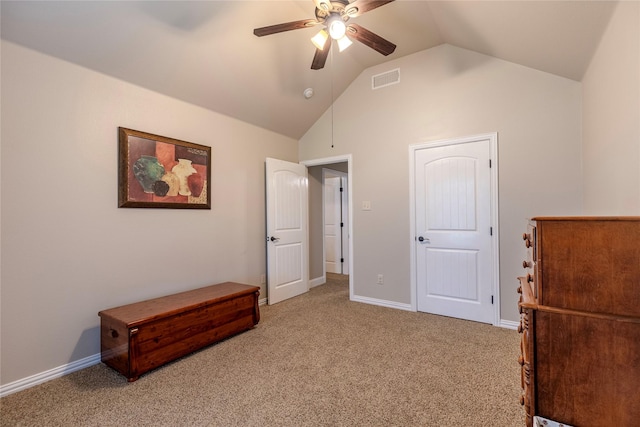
x=366, y=205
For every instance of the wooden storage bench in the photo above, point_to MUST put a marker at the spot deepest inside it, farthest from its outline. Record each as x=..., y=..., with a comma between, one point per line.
x=138, y=337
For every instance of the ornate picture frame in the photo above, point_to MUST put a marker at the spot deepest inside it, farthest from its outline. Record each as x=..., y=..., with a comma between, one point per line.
x=159, y=172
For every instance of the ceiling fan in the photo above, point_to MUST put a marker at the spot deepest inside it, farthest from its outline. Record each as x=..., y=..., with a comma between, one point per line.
x=334, y=15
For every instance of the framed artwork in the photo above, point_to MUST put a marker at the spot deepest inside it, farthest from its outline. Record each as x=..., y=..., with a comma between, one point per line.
x=159, y=172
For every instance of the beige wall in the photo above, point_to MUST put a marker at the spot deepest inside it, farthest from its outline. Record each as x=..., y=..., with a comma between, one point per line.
x=611, y=121
x=447, y=92
x=67, y=250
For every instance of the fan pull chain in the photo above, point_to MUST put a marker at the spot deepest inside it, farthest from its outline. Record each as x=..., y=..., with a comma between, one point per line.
x=332, y=100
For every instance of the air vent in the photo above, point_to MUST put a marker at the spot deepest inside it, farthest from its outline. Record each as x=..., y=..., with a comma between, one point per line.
x=385, y=79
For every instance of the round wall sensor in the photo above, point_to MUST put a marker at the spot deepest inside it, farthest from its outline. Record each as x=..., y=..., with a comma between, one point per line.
x=308, y=93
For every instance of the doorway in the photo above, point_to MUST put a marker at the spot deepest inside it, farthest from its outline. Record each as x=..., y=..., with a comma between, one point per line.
x=317, y=256
x=335, y=221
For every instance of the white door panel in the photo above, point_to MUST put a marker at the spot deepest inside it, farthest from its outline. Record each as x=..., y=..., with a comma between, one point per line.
x=287, y=230
x=452, y=274
x=451, y=193
x=453, y=221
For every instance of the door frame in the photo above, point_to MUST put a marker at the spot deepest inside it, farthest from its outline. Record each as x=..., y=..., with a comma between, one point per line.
x=495, y=242
x=326, y=161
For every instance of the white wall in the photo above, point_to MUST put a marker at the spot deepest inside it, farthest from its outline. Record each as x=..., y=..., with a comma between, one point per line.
x=611, y=121
x=67, y=250
x=448, y=92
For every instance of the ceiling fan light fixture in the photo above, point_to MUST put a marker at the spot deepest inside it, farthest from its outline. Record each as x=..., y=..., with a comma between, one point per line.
x=344, y=43
x=337, y=28
x=320, y=39
x=332, y=16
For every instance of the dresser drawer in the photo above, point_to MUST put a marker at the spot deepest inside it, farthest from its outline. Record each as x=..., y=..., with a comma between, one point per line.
x=588, y=264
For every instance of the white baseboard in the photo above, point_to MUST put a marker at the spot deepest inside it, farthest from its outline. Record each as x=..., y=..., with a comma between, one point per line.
x=317, y=281
x=508, y=324
x=383, y=303
x=51, y=374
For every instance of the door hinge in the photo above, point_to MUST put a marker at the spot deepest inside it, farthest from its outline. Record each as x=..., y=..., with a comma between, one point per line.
x=342, y=224
x=491, y=299
x=341, y=259
x=490, y=231
x=489, y=163
x=341, y=189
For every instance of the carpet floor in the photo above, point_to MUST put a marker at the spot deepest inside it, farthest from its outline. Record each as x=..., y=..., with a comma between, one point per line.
x=314, y=360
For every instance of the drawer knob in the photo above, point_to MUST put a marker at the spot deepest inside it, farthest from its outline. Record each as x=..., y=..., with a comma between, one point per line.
x=529, y=278
x=519, y=289
x=526, y=264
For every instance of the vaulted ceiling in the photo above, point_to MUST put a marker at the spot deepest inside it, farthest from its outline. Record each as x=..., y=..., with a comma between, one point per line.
x=205, y=53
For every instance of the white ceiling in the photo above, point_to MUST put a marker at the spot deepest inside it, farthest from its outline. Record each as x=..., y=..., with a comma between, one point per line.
x=205, y=53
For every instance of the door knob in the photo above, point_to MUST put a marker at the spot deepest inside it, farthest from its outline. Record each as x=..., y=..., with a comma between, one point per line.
x=423, y=240
x=274, y=239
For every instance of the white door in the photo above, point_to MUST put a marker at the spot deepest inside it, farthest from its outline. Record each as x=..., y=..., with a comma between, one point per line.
x=332, y=224
x=287, y=230
x=453, y=223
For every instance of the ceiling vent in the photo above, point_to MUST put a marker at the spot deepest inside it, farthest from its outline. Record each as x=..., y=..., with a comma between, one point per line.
x=385, y=79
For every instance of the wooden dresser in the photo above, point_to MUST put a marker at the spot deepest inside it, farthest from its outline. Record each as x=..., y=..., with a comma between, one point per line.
x=138, y=337
x=580, y=321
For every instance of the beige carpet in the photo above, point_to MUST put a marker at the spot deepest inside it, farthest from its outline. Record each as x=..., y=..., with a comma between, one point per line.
x=315, y=360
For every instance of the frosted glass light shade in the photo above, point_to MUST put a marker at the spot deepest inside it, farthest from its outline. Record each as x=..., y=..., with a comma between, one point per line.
x=320, y=39
x=344, y=43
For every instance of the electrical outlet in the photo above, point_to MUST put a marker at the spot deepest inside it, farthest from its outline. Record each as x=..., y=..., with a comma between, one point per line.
x=380, y=279
x=263, y=279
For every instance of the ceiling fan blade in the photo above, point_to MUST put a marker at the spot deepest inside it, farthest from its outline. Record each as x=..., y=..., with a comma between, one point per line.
x=370, y=39
x=320, y=56
x=287, y=26
x=359, y=7
x=323, y=4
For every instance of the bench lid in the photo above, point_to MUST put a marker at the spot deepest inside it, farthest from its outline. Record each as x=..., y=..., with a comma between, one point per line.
x=149, y=310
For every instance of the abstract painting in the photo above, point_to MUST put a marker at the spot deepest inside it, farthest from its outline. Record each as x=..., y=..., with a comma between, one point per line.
x=159, y=172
